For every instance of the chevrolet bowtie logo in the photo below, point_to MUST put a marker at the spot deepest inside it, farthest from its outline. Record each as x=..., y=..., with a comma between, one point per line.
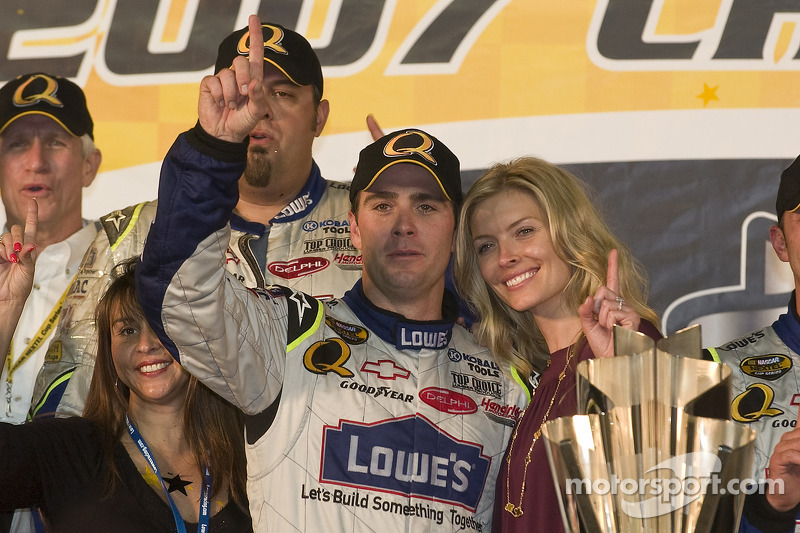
x=385, y=369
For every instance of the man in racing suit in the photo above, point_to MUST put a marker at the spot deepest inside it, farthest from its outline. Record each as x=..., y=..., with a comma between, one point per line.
x=766, y=382
x=303, y=243
x=373, y=412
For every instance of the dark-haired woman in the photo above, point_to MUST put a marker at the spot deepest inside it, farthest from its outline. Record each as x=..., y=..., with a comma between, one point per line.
x=155, y=450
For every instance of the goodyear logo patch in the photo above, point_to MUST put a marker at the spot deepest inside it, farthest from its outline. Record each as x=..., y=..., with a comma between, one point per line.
x=351, y=333
x=769, y=367
x=328, y=356
x=407, y=456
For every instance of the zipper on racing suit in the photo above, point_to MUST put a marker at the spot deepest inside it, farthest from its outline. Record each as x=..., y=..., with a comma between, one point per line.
x=249, y=257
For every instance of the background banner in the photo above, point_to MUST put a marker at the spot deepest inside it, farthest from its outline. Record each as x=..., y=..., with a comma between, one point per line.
x=679, y=114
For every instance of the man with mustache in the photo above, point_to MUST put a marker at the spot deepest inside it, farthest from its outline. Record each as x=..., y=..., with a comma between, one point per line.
x=289, y=225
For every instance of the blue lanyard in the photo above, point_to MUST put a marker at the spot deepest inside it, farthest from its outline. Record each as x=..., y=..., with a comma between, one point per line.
x=203, y=522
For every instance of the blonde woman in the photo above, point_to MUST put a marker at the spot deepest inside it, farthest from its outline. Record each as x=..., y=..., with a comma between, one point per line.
x=549, y=281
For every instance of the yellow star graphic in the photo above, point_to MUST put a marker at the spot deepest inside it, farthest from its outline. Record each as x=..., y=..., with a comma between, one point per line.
x=708, y=94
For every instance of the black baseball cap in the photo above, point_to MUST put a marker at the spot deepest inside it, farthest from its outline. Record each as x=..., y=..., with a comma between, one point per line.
x=289, y=51
x=409, y=146
x=39, y=93
x=789, y=189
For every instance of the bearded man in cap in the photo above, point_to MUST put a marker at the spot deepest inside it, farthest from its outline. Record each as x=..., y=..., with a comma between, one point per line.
x=375, y=411
x=47, y=152
x=766, y=383
x=289, y=225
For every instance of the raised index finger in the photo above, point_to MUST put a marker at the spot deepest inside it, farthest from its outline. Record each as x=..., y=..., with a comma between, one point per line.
x=256, y=48
x=31, y=221
x=612, y=276
x=374, y=128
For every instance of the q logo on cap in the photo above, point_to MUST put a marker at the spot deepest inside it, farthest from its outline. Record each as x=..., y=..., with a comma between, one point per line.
x=423, y=150
x=48, y=95
x=273, y=43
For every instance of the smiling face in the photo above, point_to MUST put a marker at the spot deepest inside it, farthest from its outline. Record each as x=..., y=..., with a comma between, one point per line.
x=280, y=144
x=516, y=255
x=404, y=230
x=144, y=365
x=39, y=158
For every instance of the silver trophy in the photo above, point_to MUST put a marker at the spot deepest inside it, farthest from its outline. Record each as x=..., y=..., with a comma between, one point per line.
x=652, y=449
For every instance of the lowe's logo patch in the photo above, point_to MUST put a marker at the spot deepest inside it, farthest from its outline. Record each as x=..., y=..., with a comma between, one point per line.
x=419, y=336
x=406, y=456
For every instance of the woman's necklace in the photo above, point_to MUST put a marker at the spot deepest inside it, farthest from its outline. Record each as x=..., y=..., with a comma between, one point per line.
x=204, y=518
x=516, y=510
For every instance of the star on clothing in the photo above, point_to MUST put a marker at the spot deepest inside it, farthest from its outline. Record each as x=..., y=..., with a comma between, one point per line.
x=301, y=302
x=708, y=94
x=116, y=218
x=176, y=483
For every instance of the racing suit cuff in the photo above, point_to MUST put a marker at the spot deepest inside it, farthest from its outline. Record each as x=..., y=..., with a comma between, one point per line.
x=226, y=151
x=760, y=514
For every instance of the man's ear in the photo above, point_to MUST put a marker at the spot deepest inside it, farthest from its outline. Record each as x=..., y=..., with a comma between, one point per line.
x=355, y=231
x=90, y=166
x=779, y=243
x=323, y=109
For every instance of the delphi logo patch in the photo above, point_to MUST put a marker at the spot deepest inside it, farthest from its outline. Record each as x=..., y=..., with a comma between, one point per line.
x=404, y=456
x=297, y=268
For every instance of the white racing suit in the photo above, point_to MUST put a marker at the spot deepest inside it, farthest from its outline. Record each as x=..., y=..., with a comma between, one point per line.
x=360, y=420
x=307, y=247
x=765, y=387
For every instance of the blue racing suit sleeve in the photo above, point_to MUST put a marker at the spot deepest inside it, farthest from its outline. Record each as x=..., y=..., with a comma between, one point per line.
x=233, y=339
x=197, y=192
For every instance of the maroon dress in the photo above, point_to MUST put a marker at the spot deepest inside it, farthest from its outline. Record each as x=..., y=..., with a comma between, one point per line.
x=540, y=507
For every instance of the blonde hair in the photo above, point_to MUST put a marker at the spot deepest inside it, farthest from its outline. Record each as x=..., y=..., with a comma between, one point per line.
x=581, y=239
